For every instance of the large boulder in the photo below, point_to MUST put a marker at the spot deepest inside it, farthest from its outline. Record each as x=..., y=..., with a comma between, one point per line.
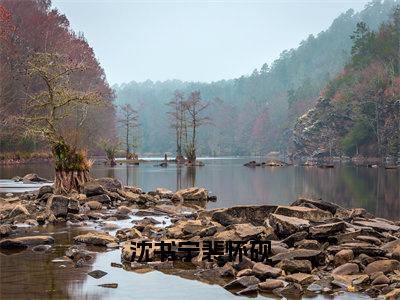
x=26, y=241
x=96, y=238
x=284, y=225
x=191, y=194
x=46, y=189
x=254, y=214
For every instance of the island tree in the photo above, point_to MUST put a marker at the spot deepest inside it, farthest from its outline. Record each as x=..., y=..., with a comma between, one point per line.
x=195, y=108
x=178, y=121
x=129, y=123
x=49, y=111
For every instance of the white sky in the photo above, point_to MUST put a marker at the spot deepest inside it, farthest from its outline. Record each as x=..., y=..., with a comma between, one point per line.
x=195, y=40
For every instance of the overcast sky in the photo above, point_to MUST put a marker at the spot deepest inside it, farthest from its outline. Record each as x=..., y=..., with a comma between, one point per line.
x=202, y=40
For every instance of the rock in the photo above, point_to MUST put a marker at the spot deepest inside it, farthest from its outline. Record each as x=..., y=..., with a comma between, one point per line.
x=255, y=215
x=18, y=210
x=306, y=213
x=359, y=248
x=385, y=266
x=103, y=198
x=41, y=248
x=248, y=231
x=5, y=230
x=244, y=272
x=109, y=184
x=252, y=289
x=295, y=266
x=109, y=226
x=265, y=271
x=191, y=194
x=369, y=239
x=242, y=282
x=46, y=189
x=295, y=237
x=109, y=285
x=26, y=241
x=314, y=255
x=308, y=244
x=343, y=256
x=270, y=284
x=97, y=274
x=9, y=195
x=327, y=206
x=58, y=205
x=164, y=193
x=284, y=225
x=73, y=206
x=391, y=246
x=346, y=269
x=94, y=205
x=95, y=238
x=124, y=210
x=382, y=279
x=394, y=294
x=301, y=278
x=33, y=178
x=377, y=225
x=346, y=280
x=326, y=230
x=292, y=290
x=93, y=189
x=128, y=234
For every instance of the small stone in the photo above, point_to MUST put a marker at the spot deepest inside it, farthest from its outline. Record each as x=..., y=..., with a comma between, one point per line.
x=292, y=290
x=343, y=256
x=301, y=278
x=270, y=284
x=346, y=269
x=382, y=279
x=252, y=289
x=116, y=265
x=97, y=274
x=109, y=285
x=294, y=266
x=242, y=282
x=265, y=271
x=245, y=272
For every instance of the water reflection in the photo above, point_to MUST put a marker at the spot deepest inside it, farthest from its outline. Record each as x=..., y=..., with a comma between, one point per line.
x=377, y=190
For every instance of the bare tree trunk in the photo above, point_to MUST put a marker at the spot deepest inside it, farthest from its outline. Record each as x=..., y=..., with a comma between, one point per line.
x=67, y=181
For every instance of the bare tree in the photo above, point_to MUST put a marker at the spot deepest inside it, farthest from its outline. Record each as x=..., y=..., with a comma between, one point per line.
x=129, y=122
x=46, y=112
x=110, y=148
x=178, y=119
x=195, y=109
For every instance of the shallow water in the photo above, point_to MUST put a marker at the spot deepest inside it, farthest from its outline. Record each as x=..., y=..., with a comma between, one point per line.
x=375, y=189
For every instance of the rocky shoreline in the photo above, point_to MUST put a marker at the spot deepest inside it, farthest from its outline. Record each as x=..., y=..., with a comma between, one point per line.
x=317, y=247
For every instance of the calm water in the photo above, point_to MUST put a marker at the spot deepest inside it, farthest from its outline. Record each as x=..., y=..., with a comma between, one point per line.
x=30, y=275
x=377, y=190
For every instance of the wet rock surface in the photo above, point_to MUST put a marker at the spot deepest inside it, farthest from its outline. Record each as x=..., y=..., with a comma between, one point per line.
x=317, y=247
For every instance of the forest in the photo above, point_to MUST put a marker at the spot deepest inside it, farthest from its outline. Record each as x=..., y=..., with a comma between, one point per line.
x=250, y=115
x=254, y=114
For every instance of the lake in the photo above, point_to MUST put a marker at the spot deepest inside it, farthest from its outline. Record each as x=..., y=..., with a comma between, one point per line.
x=31, y=275
x=375, y=189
